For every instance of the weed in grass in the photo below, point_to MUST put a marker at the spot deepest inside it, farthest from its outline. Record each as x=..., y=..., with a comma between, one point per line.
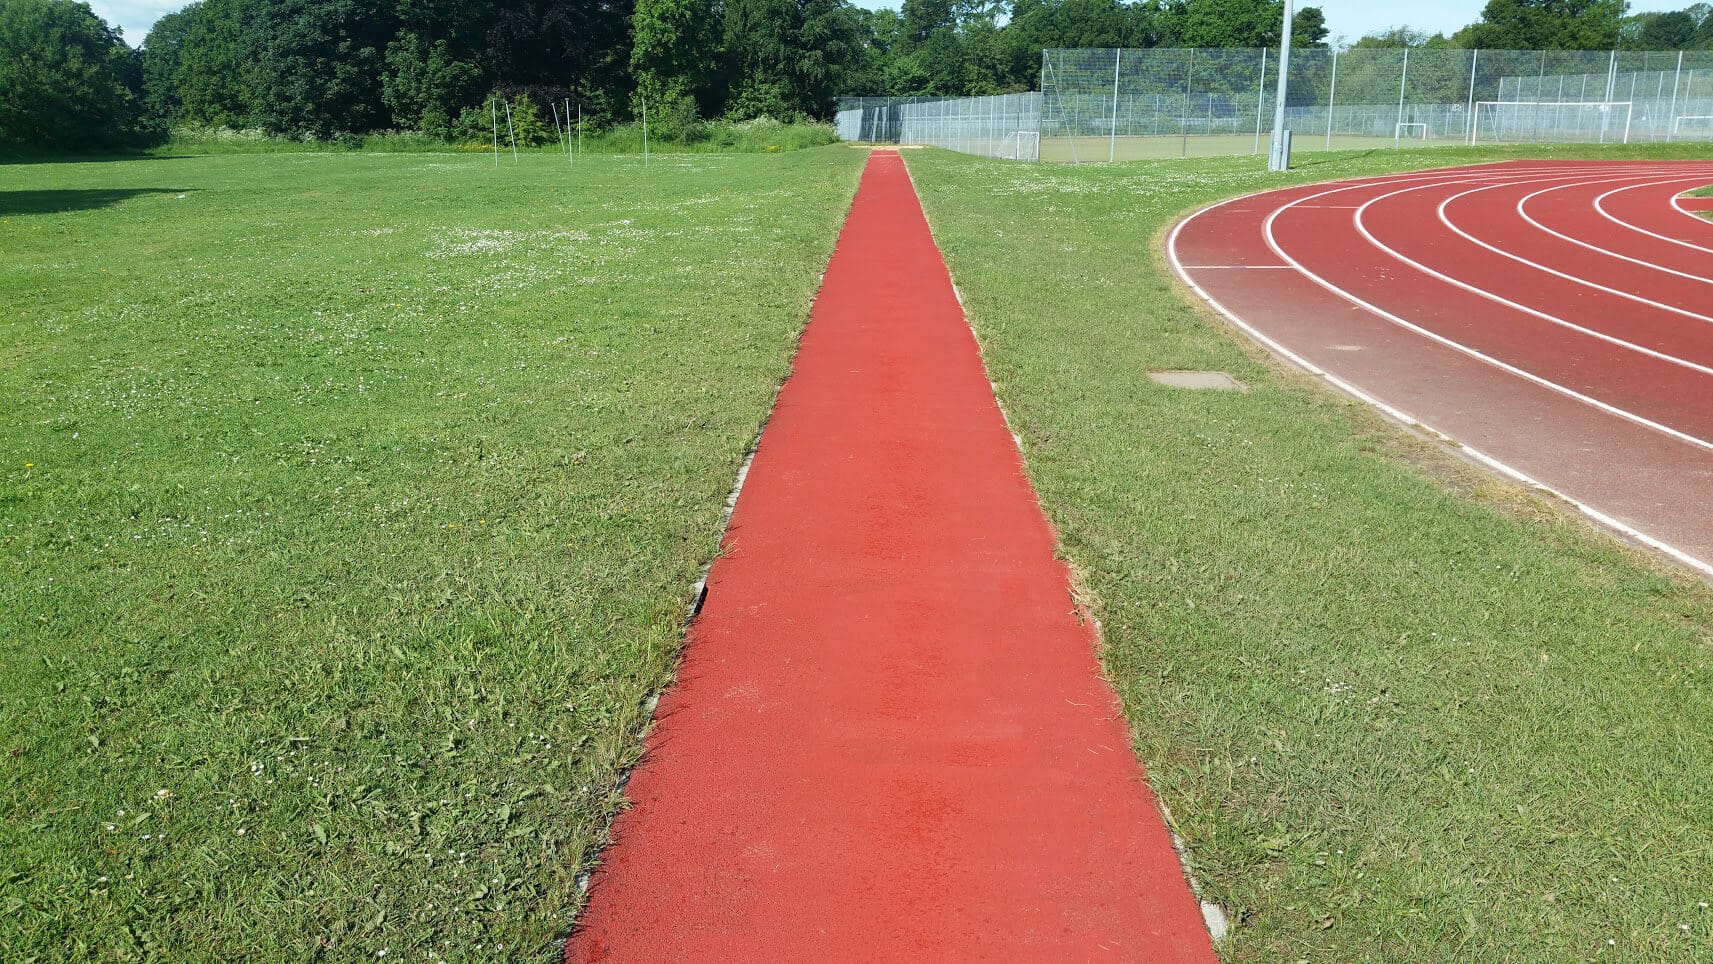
x=1393, y=721
x=349, y=508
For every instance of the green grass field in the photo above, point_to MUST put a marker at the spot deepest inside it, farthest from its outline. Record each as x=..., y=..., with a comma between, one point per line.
x=1064, y=150
x=350, y=506
x=349, y=511
x=1399, y=711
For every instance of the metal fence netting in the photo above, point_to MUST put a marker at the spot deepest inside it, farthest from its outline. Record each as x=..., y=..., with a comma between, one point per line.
x=1122, y=104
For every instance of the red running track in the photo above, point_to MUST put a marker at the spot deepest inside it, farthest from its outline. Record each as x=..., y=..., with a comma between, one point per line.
x=889, y=738
x=1555, y=318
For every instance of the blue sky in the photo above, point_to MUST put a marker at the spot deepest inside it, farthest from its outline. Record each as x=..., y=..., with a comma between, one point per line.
x=1346, y=18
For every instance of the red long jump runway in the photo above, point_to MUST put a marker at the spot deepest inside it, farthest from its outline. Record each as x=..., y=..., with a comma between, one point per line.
x=889, y=738
x=1556, y=319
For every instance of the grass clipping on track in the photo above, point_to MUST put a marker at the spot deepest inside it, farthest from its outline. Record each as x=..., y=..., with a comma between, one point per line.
x=349, y=510
x=1393, y=719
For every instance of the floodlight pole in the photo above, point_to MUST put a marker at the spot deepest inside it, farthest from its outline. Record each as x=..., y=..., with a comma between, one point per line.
x=1279, y=159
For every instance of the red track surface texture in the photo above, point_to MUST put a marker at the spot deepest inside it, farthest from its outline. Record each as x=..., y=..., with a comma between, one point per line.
x=1555, y=318
x=889, y=738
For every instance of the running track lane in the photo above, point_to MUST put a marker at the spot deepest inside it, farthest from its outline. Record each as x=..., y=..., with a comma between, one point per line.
x=889, y=738
x=1524, y=310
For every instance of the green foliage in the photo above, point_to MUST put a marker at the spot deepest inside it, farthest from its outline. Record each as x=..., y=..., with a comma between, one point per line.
x=674, y=54
x=1546, y=25
x=215, y=63
x=67, y=82
x=425, y=85
x=319, y=67
x=162, y=52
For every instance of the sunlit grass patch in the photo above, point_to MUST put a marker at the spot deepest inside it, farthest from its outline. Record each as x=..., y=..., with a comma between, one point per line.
x=349, y=509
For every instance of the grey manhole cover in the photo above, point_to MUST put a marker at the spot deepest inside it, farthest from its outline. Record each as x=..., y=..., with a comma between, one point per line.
x=1216, y=381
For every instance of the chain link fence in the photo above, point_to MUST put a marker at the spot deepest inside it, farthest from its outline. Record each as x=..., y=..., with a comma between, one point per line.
x=1123, y=104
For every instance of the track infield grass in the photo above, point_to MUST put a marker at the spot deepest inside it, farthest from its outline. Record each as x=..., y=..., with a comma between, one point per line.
x=1398, y=710
x=349, y=511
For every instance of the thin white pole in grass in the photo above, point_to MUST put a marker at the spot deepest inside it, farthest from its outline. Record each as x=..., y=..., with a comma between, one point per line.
x=1112, y=142
x=494, y=112
x=511, y=131
x=1331, y=100
x=645, y=132
x=558, y=135
x=571, y=157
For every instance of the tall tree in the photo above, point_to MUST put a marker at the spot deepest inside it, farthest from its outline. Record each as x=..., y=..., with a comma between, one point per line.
x=66, y=79
x=163, y=49
x=320, y=65
x=216, y=60
x=675, y=54
x=1546, y=25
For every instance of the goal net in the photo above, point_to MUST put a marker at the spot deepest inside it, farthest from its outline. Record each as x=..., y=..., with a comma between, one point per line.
x=1598, y=121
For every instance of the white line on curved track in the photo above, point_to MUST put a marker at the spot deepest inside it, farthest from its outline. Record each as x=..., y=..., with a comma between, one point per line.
x=1522, y=210
x=1599, y=205
x=1400, y=415
x=1607, y=407
x=1446, y=220
x=1362, y=228
x=1677, y=205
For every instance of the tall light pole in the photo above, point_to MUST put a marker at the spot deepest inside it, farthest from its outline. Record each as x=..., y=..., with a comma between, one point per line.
x=1279, y=159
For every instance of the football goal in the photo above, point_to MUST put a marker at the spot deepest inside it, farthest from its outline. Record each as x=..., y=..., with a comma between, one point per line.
x=1601, y=121
x=1698, y=126
x=1411, y=130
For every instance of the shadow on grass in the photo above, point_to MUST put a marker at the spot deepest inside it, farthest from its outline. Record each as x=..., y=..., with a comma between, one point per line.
x=61, y=202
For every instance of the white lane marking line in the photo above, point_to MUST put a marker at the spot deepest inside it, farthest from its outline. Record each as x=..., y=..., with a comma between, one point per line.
x=1706, y=568
x=1239, y=267
x=1677, y=205
x=1570, y=277
x=1521, y=209
x=1362, y=227
x=1272, y=241
x=1599, y=206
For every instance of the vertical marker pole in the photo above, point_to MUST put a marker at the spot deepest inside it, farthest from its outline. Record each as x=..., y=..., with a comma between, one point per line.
x=645, y=133
x=511, y=131
x=1403, y=84
x=1260, y=100
x=1474, y=65
x=558, y=135
x=1331, y=100
x=1279, y=158
x=1112, y=142
x=494, y=112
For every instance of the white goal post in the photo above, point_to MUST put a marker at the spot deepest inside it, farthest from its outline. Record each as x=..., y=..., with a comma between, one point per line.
x=1021, y=146
x=1401, y=131
x=1706, y=121
x=1534, y=114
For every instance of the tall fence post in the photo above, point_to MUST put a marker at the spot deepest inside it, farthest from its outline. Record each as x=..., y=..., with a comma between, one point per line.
x=1403, y=83
x=1112, y=142
x=1671, y=128
x=1260, y=100
x=1474, y=68
x=1331, y=100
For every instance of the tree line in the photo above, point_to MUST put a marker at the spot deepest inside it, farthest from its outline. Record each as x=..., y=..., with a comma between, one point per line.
x=323, y=68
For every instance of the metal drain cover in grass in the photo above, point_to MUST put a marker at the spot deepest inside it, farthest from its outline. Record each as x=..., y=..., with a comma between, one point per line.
x=1207, y=381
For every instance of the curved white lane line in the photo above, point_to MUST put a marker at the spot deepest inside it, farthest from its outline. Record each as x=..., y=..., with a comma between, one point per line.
x=1677, y=205
x=1445, y=219
x=1705, y=568
x=1522, y=210
x=1362, y=227
x=1273, y=243
x=1599, y=205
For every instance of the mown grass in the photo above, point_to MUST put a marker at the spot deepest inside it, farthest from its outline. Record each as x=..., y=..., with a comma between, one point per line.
x=1399, y=711
x=349, y=510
